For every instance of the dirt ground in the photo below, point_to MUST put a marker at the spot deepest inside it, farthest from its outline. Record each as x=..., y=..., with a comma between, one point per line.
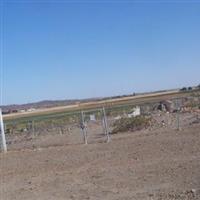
x=157, y=164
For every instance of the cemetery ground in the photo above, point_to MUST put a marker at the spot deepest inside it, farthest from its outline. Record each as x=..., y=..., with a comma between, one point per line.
x=157, y=163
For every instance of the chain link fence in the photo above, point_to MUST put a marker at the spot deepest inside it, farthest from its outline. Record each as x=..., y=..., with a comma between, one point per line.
x=95, y=125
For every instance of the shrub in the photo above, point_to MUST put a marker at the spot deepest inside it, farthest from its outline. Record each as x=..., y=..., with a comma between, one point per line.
x=131, y=124
x=183, y=89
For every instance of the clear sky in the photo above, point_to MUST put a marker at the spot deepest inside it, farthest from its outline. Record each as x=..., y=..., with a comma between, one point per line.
x=79, y=49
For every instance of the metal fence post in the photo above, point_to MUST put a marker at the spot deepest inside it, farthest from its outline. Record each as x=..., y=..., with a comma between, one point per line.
x=33, y=127
x=106, y=125
x=199, y=102
x=178, y=115
x=4, y=146
x=83, y=127
x=102, y=122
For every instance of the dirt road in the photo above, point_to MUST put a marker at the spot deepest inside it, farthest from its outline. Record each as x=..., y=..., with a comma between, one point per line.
x=159, y=164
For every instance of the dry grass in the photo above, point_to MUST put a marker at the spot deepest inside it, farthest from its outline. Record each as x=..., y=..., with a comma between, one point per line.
x=131, y=124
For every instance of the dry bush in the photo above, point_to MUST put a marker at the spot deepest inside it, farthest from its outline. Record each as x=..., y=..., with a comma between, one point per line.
x=131, y=124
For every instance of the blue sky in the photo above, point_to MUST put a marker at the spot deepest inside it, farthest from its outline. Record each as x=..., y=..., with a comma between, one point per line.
x=80, y=49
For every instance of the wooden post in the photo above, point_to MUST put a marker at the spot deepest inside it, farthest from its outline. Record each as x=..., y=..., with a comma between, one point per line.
x=3, y=138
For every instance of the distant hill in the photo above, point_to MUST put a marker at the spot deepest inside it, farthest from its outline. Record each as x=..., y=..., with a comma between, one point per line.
x=54, y=103
x=36, y=105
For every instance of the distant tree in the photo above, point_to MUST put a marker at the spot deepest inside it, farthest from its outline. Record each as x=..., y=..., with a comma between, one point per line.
x=183, y=89
x=189, y=88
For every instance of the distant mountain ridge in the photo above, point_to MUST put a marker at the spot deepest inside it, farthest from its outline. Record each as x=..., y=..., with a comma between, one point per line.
x=36, y=105
x=44, y=104
x=55, y=103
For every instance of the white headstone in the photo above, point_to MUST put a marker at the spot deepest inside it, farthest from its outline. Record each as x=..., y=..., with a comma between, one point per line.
x=135, y=112
x=92, y=118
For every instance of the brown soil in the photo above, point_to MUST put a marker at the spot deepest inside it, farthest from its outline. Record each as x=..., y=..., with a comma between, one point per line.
x=160, y=164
